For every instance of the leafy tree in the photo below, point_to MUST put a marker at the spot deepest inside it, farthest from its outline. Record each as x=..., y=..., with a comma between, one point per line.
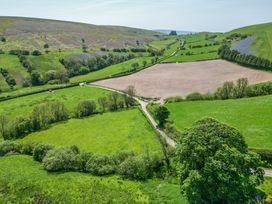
x=46, y=46
x=36, y=53
x=36, y=78
x=113, y=101
x=215, y=165
x=103, y=103
x=226, y=91
x=129, y=96
x=173, y=32
x=161, y=114
x=134, y=66
x=241, y=88
x=10, y=81
x=144, y=63
x=3, y=39
x=85, y=108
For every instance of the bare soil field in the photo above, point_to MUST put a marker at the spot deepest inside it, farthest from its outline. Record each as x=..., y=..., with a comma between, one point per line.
x=166, y=80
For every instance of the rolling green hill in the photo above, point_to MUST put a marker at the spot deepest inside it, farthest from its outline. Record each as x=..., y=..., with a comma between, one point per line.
x=262, y=35
x=30, y=34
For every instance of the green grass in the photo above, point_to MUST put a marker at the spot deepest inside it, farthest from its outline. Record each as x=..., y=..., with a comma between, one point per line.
x=263, y=43
x=111, y=70
x=70, y=97
x=106, y=133
x=192, y=58
x=27, y=181
x=267, y=186
x=162, y=44
x=251, y=116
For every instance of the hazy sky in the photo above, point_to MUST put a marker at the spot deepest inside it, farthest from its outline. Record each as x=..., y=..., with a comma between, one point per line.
x=191, y=15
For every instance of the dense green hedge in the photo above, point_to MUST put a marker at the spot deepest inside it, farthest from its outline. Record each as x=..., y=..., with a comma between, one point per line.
x=125, y=163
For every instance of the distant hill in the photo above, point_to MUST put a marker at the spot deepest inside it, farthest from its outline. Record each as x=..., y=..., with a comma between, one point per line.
x=166, y=31
x=260, y=40
x=30, y=33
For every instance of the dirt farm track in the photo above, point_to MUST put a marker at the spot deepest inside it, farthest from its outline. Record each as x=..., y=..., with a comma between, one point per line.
x=165, y=80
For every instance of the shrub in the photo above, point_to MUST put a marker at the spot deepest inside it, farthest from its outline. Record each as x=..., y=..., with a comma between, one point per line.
x=100, y=165
x=85, y=108
x=61, y=159
x=8, y=147
x=134, y=168
x=174, y=99
x=194, y=97
x=36, y=53
x=119, y=157
x=28, y=148
x=40, y=151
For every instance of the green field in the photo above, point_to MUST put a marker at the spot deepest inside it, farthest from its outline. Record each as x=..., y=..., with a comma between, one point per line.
x=251, y=116
x=112, y=70
x=70, y=97
x=263, y=42
x=208, y=51
x=27, y=181
x=106, y=133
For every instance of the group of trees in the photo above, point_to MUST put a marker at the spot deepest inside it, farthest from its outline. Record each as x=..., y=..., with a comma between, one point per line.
x=246, y=60
x=51, y=112
x=75, y=67
x=10, y=80
x=229, y=90
x=3, y=39
x=125, y=163
x=41, y=117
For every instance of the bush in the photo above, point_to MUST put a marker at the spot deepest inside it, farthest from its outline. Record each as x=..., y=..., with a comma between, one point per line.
x=40, y=151
x=36, y=53
x=174, y=99
x=85, y=108
x=28, y=148
x=134, y=168
x=61, y=159
x=8, y=147
x=119, y=157
x=100, y=165
x=194, y=97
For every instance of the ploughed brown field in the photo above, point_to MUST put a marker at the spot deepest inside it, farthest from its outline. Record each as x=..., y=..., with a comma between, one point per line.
x=165, y=80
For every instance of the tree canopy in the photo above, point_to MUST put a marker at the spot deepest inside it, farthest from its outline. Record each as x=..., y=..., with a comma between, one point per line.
x=215, y=165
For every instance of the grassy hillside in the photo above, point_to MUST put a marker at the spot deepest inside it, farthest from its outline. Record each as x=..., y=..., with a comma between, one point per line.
x=70, y=97
x=29, y=33
x=251, y=116
x=106, y=133
x=262, y=44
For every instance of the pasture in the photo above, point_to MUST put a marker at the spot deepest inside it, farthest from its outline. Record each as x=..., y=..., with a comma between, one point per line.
x=166, y=80
x=251, y=116
x=72, y=187
x=107, y=133
x=70, y=97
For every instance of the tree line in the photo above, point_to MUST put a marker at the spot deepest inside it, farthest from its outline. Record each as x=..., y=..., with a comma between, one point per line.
x=10, y=80
x=246, y=60
x=229, y=90
x=45, y=114
x=76, y=67
x=126, y=164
